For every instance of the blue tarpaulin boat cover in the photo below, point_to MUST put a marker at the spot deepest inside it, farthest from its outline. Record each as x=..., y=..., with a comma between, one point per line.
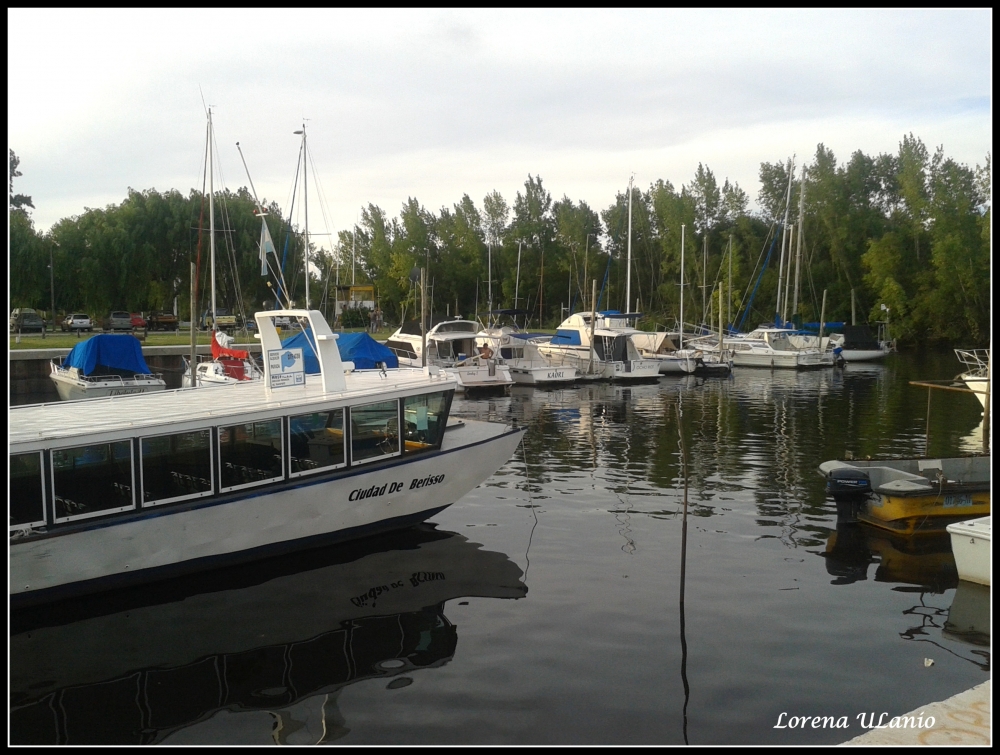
x=117, y=352
x=359, y=348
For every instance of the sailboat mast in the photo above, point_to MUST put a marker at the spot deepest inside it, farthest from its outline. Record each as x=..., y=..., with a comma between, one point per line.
x=517, y=279
x=681, y=340
x=489, y=286
x=784, y=226
x=628, y=276
x=211, y=213
x=305, y=204
x=798, y=252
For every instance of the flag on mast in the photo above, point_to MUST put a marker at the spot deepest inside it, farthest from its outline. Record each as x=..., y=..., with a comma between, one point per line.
x=266, y=245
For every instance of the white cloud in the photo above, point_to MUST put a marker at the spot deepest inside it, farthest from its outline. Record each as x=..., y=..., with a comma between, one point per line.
x=437, y=103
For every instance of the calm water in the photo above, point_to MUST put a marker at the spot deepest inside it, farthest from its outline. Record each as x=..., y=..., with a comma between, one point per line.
x=544, y=607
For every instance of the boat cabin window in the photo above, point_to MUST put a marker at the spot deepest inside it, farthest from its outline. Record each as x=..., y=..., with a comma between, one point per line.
x=176, y=467
x=401, y=349
x=425, y=417
x=317, y=442
x=26, y=503
x=92, y=480
x=458, y=326
x=250, y=454
x=374, y=431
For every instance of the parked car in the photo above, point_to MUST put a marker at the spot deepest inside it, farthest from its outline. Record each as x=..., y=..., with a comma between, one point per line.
x=26, y=320
x=162, y=321
x=77, y=322
x=138, y=321
x=118, y=321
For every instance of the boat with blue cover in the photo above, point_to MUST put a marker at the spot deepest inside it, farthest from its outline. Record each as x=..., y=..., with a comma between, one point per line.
x=104, y=365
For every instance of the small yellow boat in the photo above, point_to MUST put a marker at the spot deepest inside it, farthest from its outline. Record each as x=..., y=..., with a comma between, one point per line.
x=907, y=496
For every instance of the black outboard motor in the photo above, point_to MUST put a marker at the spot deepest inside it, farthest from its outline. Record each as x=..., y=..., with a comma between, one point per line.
x=849, y=487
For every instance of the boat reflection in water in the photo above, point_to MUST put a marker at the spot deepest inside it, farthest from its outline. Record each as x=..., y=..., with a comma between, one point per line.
x=923, y=565
x=255, y=655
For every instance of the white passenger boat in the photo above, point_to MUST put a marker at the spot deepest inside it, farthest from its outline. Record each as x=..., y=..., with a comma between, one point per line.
x=130, y=488
x=519, y=351
x=596, y=352
x=971, y=543
x=451, y=346
x=104, y=365
x=977, y=376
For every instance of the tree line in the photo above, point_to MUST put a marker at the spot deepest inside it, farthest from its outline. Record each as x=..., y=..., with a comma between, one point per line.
x=907, y=231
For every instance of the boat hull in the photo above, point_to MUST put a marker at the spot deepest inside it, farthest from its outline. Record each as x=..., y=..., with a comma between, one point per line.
x=971, y=544
x=542, y=376
x=862, y=355
x=71, y=389
x=910, y=514
x=160, y=541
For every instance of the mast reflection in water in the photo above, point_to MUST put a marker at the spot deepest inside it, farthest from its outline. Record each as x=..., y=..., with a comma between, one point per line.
x=254, y=656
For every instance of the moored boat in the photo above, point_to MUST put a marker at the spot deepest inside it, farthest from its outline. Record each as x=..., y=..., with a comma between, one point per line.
x=131, y=488
x=519, y=352
x=451, y=346
x=977, y=376
x=104, y=365
x=971, y=543
x=910, y=495
x=597, y=352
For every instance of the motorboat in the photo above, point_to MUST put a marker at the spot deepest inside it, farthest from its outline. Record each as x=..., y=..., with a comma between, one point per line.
x=519, y=351
x=910, y=495
x=104, y=365
x=598, y=353
x=774, y=348
x=138, y=487
x=971, y=542
x=977, y=376
x=659, y=347
x=451, y=346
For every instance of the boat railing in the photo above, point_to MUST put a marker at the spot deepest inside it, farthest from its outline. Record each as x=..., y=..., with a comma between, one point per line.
x=119, y=379
x=977, y=360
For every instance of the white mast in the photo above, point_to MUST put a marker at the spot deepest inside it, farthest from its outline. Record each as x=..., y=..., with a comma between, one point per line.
x=784, y=226
x=788, y=276
x=517, y=280
x=628, y=276
x=305, y=204
x=489, y=264
x=681, y=342
x=798, y=252
x=354, y=252
x=211, y=217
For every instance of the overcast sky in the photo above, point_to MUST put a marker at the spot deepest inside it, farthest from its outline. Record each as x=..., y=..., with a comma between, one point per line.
x=435, y=104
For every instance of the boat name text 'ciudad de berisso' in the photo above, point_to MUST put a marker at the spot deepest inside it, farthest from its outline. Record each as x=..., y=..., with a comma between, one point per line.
x=392, y=487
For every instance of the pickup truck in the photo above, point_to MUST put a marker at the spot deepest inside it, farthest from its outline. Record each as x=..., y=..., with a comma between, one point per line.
x=161, y=321
x=225, y=320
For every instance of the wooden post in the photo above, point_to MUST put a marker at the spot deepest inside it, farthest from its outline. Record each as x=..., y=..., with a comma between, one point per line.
x=927, y=431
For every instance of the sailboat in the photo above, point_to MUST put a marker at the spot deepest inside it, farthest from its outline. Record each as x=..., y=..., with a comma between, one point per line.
x=227, y=365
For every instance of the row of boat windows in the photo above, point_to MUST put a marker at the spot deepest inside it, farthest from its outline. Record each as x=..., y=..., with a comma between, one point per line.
x=106, y=478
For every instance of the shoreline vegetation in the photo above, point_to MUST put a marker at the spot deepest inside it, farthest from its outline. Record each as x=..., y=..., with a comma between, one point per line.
x=908, y=231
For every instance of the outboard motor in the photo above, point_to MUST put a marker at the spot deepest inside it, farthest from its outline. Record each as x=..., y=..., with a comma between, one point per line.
x=849, y=487
x=838, y=356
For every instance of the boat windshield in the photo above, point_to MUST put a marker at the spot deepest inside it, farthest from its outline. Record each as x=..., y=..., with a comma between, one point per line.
x=458, y=326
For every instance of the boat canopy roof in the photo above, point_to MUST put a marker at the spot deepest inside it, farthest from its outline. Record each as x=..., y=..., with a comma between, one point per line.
x=412, y=327
x=120, y=352
x=620, y=315
x=359, y=348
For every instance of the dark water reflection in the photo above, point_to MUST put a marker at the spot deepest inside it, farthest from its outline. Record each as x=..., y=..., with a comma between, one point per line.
x=785, y=610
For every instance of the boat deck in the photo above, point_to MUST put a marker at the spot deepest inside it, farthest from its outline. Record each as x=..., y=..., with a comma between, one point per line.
x=178, y=408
